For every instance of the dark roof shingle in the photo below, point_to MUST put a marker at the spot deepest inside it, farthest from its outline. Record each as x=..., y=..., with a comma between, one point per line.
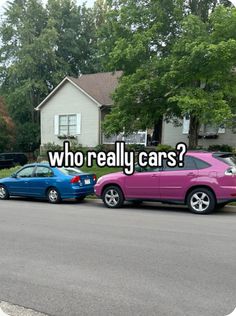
x=99, y=86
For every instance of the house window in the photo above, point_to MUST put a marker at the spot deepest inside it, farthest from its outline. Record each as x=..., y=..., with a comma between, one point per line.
x=67, y=125
x=205, y=129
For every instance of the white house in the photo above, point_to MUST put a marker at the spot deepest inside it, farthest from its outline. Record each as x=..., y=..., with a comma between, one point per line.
x=76, y=107
x=208, y=134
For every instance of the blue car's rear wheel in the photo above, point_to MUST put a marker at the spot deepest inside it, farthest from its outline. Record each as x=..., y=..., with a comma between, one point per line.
x=53, y=196
x=4, y=195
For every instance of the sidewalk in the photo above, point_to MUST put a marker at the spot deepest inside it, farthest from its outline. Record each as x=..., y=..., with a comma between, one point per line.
x=14, y=310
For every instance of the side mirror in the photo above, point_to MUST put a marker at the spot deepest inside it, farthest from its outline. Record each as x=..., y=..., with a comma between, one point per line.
x=14, y=175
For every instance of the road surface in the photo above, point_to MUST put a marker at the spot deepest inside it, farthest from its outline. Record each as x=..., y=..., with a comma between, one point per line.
x=83, y=259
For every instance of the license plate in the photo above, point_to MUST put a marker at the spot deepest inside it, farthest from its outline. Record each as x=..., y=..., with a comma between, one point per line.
x=87, y=181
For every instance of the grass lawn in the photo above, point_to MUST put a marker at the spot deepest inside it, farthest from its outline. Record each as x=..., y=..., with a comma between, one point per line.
x=97, y=170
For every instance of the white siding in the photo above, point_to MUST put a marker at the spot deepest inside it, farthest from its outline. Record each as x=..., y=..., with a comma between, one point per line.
x=70, y=100
x=172, y=135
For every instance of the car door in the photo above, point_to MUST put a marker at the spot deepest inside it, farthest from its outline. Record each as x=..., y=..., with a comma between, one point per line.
x=20, y=184
x=143, y=184
x=41, y=180
x=174, y=182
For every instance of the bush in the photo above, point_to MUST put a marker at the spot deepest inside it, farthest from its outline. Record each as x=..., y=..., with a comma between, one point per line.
x=135, y=147
x=74, y=146
x=164, y=147
x=50, y=147
x=223, y=148
x=100, y=147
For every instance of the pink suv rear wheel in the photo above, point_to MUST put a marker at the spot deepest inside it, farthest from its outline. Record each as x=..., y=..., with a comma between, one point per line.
x=113, y=197
x=201, y=201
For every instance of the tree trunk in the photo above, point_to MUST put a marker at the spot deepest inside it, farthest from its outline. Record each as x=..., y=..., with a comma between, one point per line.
x=193, y=132
x=157, y=133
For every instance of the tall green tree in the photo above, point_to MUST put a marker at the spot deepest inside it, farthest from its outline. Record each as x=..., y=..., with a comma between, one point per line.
x=158, y=57
x=201, y=78
x=6, y=128
x=39, y=46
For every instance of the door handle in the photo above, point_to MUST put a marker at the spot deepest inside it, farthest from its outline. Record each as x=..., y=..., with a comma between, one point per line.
x=191, y=174
x=154, y=176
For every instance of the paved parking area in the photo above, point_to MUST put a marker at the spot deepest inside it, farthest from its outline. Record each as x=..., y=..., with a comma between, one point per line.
x=83, y=259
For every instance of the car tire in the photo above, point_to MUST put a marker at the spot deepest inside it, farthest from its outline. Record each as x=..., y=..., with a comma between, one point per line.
x=113, y=197
x=201, y=201
x=4, y=194
x=53, y=196
x=81, y=198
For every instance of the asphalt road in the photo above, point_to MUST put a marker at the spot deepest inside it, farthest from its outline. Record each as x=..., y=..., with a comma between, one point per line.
x=83, y=259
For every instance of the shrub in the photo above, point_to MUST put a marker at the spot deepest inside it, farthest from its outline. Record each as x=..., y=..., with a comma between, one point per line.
x=223, y=148
x=74, y=146
x=135, y=147
x=100, y=147
x=164, y=147
x=50, y=147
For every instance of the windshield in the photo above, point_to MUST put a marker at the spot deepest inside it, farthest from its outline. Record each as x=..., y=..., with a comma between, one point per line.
x=70, y=171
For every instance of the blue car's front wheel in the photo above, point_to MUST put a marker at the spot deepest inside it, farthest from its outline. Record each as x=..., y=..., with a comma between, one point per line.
x=53, y=196
x=4, y=195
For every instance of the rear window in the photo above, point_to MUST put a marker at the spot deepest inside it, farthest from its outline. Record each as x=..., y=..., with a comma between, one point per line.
x=229, y=159
x=201, y=164
x=189, y=164
x=70, y=171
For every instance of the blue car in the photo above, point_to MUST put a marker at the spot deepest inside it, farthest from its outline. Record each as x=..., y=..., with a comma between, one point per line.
x=41, y=181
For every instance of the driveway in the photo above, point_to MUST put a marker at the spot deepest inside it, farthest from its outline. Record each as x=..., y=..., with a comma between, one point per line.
x=83, y=259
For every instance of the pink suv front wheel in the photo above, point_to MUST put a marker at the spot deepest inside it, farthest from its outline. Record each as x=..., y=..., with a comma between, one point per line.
x=113, y=197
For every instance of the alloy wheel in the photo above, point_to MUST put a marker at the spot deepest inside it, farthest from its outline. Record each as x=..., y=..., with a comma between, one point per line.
x=112, y=197
x=200, y=202
x=53, y=196
x=3, y=193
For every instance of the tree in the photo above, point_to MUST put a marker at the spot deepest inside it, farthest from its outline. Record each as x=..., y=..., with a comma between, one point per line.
x=6, y=127
x=39, y=47
x=27, y=56
x=188, y=72
x=201, y=77
x=76, y=40
x=139, y=35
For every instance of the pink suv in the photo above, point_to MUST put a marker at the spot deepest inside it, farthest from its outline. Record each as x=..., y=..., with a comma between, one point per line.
x=206, y=182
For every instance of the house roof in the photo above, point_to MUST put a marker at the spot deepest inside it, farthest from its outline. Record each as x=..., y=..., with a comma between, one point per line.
x=98, y=87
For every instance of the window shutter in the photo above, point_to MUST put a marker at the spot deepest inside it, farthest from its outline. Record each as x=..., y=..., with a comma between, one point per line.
x=56, y=125
x=78, y=124
x=186, y=124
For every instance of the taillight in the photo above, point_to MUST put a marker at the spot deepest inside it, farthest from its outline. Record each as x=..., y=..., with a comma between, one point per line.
x=231, y=171
x=94, y=178
x=76, y=179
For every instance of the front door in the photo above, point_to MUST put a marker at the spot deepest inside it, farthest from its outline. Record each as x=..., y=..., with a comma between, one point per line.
x=143, y=184
x=20, y=184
